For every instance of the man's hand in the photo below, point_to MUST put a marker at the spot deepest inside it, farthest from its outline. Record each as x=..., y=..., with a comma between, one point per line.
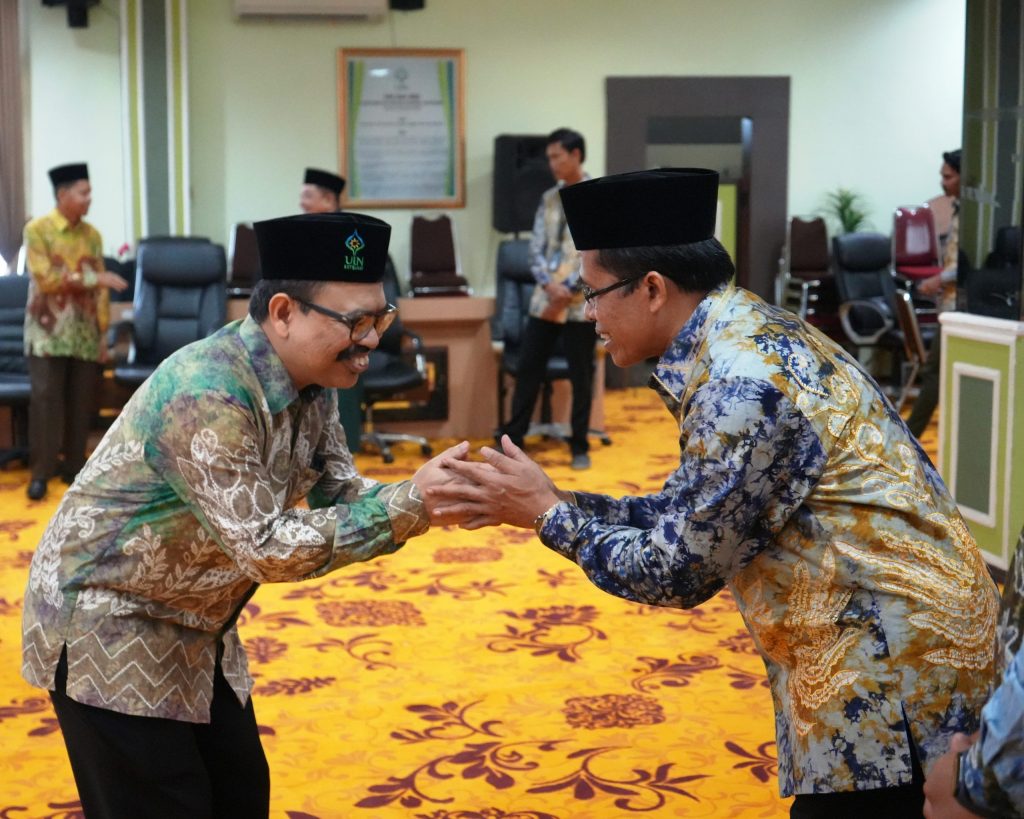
x=435, y=473
x=930, y=286
x=939, y=802
x=558, y=294
x=507, y=488
x=107, y=279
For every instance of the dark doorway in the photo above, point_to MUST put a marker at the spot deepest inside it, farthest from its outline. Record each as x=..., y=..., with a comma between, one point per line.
x=741, y=124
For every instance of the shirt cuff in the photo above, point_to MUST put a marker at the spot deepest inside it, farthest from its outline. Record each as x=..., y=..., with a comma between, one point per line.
x=405, y=508
x=559, y=527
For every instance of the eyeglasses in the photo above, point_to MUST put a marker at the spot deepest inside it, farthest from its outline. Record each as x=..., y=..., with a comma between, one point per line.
x=590, y=295
x=359, y=324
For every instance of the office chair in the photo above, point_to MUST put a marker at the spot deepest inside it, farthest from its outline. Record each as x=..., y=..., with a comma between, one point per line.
x=15, y=388
x=180, y=297
x=994, y=290
x=515, y=284
x=390, y=374
x=806, y=285
x=915, y=349
x=126, y=270
x=434, y=259
x=915, y=244
x=867, y=293
x=244, y=256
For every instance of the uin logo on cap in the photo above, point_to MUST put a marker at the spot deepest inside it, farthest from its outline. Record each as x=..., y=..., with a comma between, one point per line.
x=355, y=244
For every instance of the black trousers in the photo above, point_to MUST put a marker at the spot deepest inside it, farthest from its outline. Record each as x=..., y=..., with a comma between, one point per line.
x=903, y=802
x=61, y=405
x=128, y=767
x=539, y=339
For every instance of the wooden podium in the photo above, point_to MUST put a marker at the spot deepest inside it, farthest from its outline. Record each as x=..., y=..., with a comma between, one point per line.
x=462, y=324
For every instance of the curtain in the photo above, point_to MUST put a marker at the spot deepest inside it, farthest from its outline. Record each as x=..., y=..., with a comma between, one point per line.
x=12, y=168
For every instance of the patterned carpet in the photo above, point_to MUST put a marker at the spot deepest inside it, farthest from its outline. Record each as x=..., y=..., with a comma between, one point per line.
x=469, y=675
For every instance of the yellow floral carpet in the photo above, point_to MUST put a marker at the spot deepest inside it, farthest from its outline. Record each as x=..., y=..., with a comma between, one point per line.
x=470, y=675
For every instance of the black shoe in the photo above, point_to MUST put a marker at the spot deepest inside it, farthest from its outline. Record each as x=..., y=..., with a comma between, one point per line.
x=67, y=476
x=36, y=489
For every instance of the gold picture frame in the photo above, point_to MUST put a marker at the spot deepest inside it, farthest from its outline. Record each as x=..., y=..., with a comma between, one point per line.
x=401, y=127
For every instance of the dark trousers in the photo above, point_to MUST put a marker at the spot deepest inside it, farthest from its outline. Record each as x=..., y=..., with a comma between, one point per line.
x=903, y=802
x=539, y=339
x=928, y=390
x=61, y=406
x=128, y=767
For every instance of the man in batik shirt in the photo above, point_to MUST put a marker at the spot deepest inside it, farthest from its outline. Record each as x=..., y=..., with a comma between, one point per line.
x=556, y=307
x=798, y=487
x=983, y=775
x=191, y=501
x=65, y=321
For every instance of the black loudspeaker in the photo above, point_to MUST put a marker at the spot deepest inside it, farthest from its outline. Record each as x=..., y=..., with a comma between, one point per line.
x=521, y=175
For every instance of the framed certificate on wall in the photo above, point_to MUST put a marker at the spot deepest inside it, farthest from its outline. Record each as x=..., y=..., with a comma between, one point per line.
x=401, y=134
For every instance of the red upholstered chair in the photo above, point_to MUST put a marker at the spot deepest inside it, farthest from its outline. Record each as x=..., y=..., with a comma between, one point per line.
x=915, y=244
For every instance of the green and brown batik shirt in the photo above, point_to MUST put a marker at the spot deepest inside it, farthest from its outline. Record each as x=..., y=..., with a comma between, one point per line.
x=189, y=502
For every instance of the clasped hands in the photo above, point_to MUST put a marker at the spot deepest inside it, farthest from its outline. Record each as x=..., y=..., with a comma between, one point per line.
x=507, y=486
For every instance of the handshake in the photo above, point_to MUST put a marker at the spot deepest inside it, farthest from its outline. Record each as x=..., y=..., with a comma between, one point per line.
x=505, y=487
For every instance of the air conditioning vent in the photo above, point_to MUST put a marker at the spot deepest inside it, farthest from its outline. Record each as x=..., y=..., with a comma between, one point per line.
x=350, y=9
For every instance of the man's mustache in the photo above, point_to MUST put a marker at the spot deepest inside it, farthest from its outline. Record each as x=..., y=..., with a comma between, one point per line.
x=357, y=349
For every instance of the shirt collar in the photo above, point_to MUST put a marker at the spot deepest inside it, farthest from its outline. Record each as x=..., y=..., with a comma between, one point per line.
x=277, y=385
x=60, y=220
x=672, y=372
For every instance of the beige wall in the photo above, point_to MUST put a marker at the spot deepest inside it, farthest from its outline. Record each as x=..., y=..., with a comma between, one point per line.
x=73, y=101
x=876, y=92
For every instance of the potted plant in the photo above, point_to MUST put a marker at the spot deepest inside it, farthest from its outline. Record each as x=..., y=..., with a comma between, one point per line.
x=847, y=209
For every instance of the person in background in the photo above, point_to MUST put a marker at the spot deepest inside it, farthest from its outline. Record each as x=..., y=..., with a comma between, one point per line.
x=983, y=774
x=321, y=191
x=556, y=308
x=191, y=500
x=66, y=320
x=943, y=288
x=797, y=487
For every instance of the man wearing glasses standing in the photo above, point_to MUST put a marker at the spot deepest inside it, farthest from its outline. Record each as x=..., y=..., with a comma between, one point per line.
x=798, y=487
x=188, y=504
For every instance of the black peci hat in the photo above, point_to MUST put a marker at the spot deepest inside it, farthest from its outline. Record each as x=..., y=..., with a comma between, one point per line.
x=325, y=179
x=323, y=247
x=667, y=206
x=65, y=174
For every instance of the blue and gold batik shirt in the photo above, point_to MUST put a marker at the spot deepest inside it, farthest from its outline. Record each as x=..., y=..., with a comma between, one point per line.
x=800, y=489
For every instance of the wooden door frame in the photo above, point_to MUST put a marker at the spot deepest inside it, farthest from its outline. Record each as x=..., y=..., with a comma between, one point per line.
x=630, y=101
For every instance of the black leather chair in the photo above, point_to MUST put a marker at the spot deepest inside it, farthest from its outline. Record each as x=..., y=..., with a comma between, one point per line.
x=14, y=381
x=515, y=284
x=867, y=296
x=994, y=290
x=180, y=297
x=391, y=373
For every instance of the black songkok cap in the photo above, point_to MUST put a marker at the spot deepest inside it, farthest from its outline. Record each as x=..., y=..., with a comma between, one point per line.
x=64, y=174
x=324, y=247
x=668, y=206
x=325, y=179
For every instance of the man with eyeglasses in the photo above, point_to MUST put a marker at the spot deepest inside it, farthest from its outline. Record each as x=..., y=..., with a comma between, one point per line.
x=188, y=504
x=798, y=487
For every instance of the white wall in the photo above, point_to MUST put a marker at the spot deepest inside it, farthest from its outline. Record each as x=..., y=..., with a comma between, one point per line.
x=74, y=110
x=876, y=94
